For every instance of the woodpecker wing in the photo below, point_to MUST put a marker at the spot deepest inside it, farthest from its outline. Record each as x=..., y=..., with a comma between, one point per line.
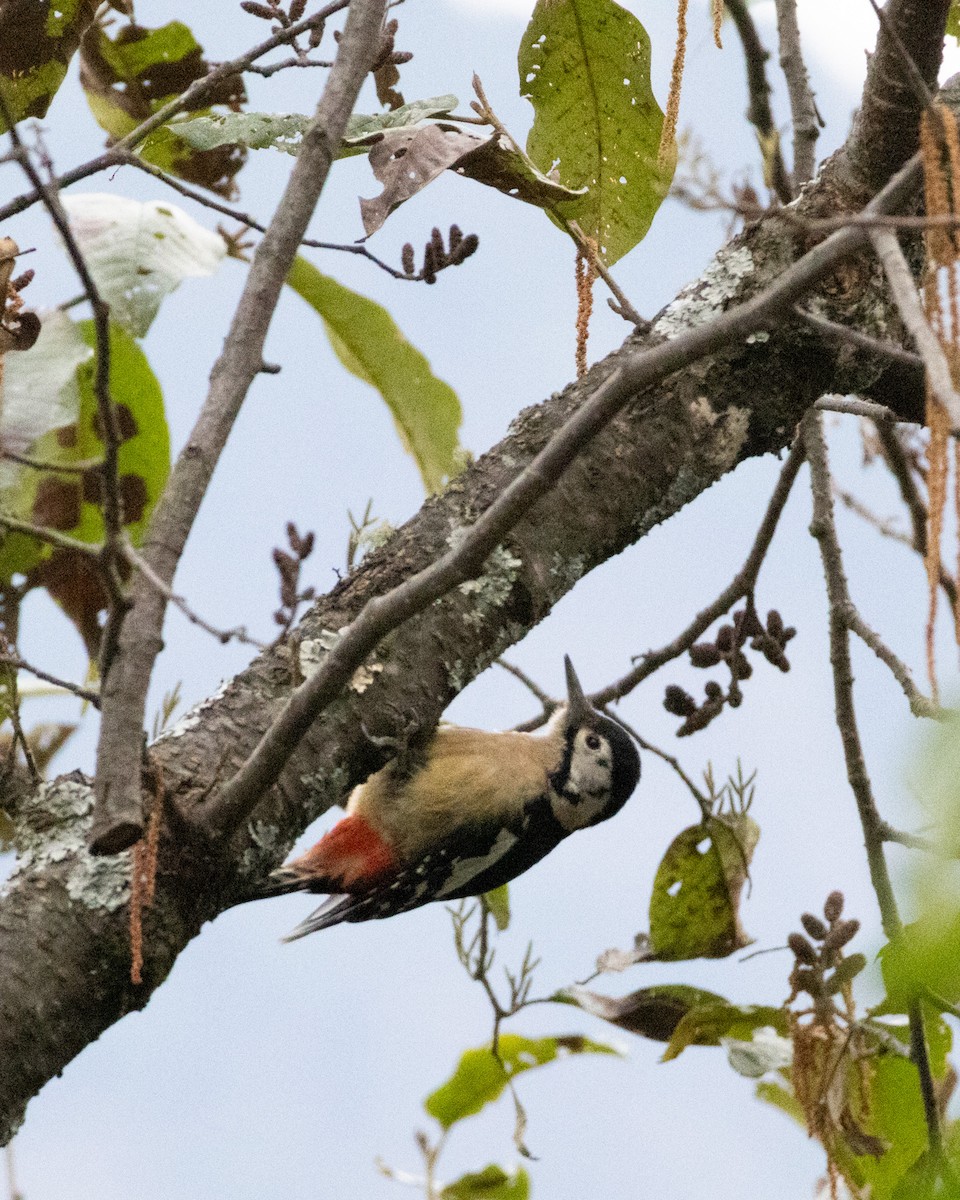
x=475, y=861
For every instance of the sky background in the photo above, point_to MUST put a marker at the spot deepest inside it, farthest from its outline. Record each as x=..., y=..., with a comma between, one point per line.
x=261, y=1071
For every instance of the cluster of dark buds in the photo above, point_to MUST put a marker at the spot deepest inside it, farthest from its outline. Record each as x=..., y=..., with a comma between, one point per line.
x=436, y=257
x=385, y=70
x=272, y=10
x=820, y=968
x=288, y=567
x=19, y=327
x=729, y=648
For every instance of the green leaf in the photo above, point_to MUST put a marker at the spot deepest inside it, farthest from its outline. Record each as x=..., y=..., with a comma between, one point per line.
x=498, y=902
x=139, y=252
x=127, y=78
x=783, y=1098
x=652, y=1012
x=37, y=41
x=492, y=1183
x=480, y=1077
x=585, y=67
x=708, y=1023
x=953, y=20
x=694, y=908
x=369, y=344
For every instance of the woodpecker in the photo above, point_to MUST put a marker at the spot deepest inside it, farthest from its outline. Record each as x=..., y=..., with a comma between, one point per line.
x=477, y=811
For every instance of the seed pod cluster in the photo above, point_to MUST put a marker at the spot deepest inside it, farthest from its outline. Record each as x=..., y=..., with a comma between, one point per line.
x=288, y=568
x=820, y=968
x=436, y=257
x=728, y=648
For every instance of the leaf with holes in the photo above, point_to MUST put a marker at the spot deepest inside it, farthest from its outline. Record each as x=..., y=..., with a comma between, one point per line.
x=139, y=252
x=585, y=67
x=284, y=131
x=480, y=1077
x=369, y=344
x=695, y=906
x=38, y=38
x=652, y=1012
x=128, y=77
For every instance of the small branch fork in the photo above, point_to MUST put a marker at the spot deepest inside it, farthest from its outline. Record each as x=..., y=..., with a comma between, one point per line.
x=843, y=621
x=739, y=588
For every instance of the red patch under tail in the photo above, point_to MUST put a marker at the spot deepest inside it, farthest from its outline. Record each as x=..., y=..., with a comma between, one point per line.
x=351, y=857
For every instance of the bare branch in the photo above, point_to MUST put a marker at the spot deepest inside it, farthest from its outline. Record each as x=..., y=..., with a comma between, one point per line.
x=904, y=290
x=803, y=108
x=760, y=113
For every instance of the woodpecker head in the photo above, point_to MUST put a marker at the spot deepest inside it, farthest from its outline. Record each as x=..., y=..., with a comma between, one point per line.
x=600, y=764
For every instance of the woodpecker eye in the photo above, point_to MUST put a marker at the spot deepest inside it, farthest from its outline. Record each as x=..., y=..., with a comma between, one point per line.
x=593, y=741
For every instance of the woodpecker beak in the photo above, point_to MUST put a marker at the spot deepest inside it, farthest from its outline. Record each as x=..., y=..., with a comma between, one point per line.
x=578, y=704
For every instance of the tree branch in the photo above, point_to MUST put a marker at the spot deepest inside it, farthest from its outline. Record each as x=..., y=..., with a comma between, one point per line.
x=119, y=818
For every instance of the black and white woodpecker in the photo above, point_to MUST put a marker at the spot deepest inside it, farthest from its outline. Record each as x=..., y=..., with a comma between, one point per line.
x=478, y=810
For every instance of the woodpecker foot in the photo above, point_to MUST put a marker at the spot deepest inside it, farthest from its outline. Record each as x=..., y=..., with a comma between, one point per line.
x=406, y=726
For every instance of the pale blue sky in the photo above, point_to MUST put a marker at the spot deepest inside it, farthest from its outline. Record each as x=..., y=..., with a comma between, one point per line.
x=261, y=1071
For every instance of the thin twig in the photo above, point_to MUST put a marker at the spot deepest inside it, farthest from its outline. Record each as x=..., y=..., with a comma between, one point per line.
x=48, y=464
x=53, y=537
x=14, y=660
x=706, y=808
x=238, y=634
x=899, y=466
x=738, y=588
x=803, y=108
x=850, y=406
x=548, y=702
x=109, y=427
x=759, y=113
x=904, y=290
x=243, y=218
x=620, y=304
x=118, y=820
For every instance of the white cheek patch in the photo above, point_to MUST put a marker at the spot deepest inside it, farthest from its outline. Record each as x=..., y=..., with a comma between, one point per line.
x=469, y=868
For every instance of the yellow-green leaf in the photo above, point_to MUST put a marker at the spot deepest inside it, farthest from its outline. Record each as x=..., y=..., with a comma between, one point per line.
x=368, y=343
x=480, y=1077
x=585, y=67
x=492, y=1183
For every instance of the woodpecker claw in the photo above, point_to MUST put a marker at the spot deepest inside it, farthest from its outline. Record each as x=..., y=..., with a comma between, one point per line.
x=399, y=741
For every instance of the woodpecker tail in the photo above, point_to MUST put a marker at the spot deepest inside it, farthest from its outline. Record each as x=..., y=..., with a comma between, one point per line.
x=333, y=910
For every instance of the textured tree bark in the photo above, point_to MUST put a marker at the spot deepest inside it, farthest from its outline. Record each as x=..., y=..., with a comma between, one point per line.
x=63, y=918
